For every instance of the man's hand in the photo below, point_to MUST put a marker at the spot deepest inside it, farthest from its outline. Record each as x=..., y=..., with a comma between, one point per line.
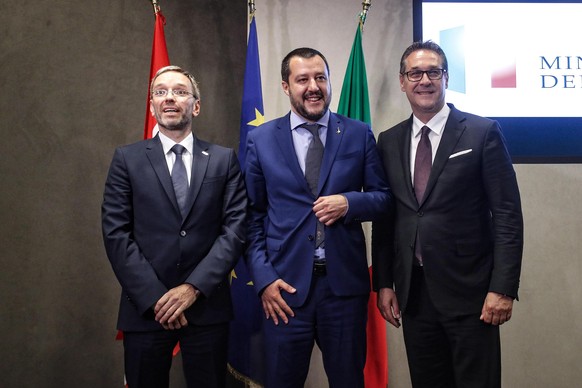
x=177, y=324
x=170, y=308
x=388, y=306
x=273, y=303
x=496, y=309
x=330, y=208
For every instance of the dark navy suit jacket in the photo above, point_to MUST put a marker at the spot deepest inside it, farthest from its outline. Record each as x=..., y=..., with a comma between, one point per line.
x=152, y=249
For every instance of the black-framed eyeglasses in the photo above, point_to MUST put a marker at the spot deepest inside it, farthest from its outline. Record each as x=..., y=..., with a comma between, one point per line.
x=432, y=74
x=177, y=93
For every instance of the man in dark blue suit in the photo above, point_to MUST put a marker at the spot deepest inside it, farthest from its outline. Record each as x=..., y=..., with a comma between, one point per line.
x=449, y=255
x=174, y=224
x=306, y=248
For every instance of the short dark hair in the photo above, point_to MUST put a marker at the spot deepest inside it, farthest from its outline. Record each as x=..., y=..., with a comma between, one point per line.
x=428, y=45
x=178, y=69
x=303, y=52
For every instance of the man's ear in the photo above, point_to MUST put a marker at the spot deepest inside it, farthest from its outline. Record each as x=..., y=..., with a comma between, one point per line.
x=196, y=109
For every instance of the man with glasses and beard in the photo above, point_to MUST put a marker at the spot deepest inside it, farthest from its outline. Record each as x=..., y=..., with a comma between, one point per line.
x=174, y=224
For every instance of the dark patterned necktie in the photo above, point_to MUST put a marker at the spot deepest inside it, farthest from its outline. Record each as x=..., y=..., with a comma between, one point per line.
x=313, y=157
x=312, y=167
x=422, y=166
x=180, y=178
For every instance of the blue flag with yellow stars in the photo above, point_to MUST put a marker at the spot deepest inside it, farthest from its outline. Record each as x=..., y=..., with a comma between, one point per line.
x=246, y=348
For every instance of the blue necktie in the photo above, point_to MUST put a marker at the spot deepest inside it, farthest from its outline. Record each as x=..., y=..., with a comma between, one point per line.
x=180, y=178
x=422, y=166
x=312, y=168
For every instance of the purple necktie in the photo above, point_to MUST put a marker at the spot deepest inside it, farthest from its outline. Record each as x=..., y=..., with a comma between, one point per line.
x=422, y=163
x=422, y=166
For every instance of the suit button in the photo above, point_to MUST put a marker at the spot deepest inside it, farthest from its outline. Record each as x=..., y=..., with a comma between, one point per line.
x=310, y=237
x=420, y=214
x=183, y=233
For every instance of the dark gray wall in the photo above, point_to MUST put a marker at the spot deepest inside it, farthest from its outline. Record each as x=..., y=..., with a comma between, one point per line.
x=73, y=86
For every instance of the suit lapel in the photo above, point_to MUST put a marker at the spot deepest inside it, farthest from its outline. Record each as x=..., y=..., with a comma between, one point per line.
x=284, y=140
x=335, y=134
x=155, y=154
x=403, y=140
x=453, y=130
x=400, y=153
x=200, y=159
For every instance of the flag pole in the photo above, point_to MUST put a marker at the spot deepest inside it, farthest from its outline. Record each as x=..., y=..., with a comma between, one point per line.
x=156, y=6
x=252, y=7
x=366, y=4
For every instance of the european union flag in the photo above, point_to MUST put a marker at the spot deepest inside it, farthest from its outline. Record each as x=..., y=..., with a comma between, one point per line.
x=246, y=350
x=252, y=102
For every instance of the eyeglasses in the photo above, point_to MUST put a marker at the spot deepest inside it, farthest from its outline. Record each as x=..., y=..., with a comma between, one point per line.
x=160, y=93
x=432, y=74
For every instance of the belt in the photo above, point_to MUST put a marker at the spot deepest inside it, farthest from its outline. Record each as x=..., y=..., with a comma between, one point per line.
x=319, y=268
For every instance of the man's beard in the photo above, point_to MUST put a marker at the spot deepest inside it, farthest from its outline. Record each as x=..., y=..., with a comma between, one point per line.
x=180, y=125
x=311, y=116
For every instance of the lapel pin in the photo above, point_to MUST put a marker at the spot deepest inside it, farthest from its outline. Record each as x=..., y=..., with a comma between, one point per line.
x=204, y=153
x=338, y=131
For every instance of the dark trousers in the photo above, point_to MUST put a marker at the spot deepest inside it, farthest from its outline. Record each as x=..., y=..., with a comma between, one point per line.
x=448, y=351
x=148, y=356
x=336, y=324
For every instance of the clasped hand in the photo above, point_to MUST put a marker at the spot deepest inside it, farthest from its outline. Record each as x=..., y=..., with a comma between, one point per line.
x=170, y=308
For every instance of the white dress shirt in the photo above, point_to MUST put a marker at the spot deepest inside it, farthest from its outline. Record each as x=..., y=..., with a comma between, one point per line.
x=187, y=143
x=436, y=125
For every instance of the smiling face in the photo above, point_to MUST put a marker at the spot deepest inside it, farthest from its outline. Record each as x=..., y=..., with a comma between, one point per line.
x=174, y=114
x=308, y=88
x=426, y=97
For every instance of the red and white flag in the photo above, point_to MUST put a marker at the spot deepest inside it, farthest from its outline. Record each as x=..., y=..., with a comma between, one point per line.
x=159, y=59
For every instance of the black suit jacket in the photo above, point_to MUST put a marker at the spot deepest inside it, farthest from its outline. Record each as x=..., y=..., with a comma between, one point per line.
x=470, y=221
x=152, y=249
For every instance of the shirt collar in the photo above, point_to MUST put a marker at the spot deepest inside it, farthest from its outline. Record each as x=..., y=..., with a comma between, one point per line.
x=436, y=124
x=167, y=143
x=297, y=121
